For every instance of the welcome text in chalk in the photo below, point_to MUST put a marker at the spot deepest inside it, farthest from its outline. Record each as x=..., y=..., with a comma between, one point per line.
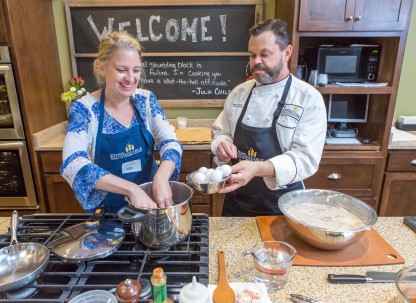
x=157, y=28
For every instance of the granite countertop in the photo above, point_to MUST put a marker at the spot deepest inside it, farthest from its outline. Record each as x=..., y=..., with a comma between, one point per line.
x=235, y=235
x=52, y=138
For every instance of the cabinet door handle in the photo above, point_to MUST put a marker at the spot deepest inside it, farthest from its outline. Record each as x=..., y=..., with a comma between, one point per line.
x=348, y=19
x=413, y=162
x=335, y=176
x=358, y=18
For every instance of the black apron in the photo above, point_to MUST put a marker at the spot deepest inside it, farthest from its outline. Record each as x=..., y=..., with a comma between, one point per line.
x=257, y=144
x=128, y=155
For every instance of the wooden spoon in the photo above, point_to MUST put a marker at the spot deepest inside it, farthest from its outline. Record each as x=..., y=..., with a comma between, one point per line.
x=223, y=293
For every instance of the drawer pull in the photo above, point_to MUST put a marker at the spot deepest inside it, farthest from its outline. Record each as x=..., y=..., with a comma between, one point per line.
x=413, y=162
x=335, y=176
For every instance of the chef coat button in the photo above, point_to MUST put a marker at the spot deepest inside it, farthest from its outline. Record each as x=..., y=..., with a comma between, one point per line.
x=248, y=117
x=268, y=118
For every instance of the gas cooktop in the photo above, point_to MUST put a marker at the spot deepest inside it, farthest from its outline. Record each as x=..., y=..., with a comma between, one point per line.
x=60, y=281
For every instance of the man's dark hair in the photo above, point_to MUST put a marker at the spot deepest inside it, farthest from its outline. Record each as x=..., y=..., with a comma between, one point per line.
x=278, y=27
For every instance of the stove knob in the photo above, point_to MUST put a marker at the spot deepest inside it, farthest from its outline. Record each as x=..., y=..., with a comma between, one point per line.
x=128, y=291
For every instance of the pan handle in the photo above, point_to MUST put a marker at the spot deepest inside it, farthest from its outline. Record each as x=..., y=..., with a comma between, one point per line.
x=130, y=216
x=14, y=223
x=96, y=218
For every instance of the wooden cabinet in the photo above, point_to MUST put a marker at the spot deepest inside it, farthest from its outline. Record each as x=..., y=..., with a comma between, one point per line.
x=313, y=23
x=3, y=30
x=28, y=29
x=61, y=199
x=399, y=190
x=59, y=195
x=353, y=15
x=357, y=174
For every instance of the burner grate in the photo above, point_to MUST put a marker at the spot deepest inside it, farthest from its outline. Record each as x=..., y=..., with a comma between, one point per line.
x=62, y=281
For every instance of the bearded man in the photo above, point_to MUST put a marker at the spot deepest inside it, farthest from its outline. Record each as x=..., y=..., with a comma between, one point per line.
x=272, y=128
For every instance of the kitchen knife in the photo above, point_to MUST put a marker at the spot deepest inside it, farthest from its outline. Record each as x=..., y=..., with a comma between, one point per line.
x=370, y=277
x=303, y=299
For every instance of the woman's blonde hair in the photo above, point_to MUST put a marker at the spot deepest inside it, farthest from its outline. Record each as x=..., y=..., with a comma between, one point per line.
x=109, y=44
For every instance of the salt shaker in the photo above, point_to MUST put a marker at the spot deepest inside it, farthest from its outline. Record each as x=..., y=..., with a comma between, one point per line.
x=194, y=292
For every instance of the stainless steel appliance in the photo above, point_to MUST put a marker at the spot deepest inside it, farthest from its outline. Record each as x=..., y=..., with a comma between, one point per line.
x=61, y=281
x=16, y=181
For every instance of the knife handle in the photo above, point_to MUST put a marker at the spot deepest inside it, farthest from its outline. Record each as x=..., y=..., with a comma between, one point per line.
x=346, y=279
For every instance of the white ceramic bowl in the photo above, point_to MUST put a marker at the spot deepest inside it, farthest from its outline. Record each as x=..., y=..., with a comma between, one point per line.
x=248, y=293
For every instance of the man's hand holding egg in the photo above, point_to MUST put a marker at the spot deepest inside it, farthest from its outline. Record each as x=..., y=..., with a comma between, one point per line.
x=208, y=180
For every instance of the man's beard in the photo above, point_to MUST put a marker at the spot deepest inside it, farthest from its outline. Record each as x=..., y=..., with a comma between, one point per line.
x=271, y=73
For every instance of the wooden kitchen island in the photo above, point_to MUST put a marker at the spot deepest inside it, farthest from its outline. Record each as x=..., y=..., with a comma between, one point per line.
x=235, y=235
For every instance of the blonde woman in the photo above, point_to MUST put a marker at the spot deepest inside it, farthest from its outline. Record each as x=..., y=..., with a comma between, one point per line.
x=112, y=132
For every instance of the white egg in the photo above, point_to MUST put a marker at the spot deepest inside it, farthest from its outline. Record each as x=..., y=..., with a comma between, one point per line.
x=216, y=176
x=203, y=170
x=199, y=178
x=208, y=174
x=218, y=168
x=225, y=170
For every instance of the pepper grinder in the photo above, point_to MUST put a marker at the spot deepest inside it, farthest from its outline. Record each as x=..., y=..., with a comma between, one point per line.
x=128, y=291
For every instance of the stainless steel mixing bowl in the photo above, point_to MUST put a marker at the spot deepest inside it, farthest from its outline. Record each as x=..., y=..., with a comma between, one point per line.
x=205, y=188
x=327, y=238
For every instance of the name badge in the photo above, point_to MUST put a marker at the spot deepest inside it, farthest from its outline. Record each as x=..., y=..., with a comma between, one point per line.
x=131, y=167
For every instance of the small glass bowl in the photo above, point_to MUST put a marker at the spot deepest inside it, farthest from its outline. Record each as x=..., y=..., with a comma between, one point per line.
x=206, y=187
x=406, y=284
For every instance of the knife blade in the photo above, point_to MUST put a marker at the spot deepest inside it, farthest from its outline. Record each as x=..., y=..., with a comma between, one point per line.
x=369, y=277
x=302, y=299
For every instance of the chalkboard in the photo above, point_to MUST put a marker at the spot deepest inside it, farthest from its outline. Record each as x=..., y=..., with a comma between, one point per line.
x=192, y=50
x=183, y=77
x=166, y=29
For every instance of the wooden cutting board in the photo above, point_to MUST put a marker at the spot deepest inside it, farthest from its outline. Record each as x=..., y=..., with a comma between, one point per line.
x=370, y=250
x=196, y=135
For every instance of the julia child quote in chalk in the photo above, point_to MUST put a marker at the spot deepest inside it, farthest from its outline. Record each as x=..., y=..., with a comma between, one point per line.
x=183, y=77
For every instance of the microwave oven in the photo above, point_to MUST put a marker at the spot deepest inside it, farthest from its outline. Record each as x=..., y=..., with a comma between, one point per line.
x=353, y=63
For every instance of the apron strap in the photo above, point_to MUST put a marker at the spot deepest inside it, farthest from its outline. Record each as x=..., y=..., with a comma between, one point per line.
x=100, y=126
x=279, y=108
x=243, y=112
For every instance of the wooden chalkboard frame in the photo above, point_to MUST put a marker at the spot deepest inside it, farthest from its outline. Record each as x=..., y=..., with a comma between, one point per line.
x=167, y=103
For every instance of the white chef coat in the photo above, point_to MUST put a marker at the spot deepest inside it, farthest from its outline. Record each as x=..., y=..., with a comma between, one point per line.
x=301, y=127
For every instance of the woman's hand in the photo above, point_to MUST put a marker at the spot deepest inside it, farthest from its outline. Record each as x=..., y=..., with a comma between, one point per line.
x=132, y=192
x=162, y=192
x=138, y=198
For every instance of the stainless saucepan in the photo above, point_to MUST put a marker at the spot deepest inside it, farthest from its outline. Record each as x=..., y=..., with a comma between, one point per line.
x=161, y=227
x=21, y=264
